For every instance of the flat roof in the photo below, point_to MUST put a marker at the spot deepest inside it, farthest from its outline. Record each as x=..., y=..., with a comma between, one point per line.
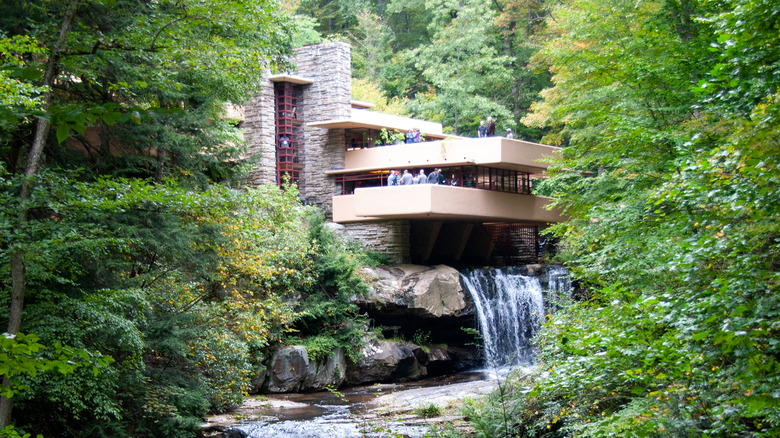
x=291, y=79
x=361, y=104
x=358, y=124
x=365, y=119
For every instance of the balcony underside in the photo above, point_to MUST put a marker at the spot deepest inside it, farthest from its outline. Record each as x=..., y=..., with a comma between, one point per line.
x=438, y=202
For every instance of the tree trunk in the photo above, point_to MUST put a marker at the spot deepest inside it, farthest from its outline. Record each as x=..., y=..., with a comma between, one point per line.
x=160, y=172
x=18, y=274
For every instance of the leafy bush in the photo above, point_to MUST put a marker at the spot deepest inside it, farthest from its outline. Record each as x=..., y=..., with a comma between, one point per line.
x=187, y=291
x=428, y=410
x=319, y=348
x=327, y=318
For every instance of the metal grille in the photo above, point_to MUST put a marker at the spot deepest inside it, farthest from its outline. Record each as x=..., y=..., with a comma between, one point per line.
x=289, y=131
x=513, y=243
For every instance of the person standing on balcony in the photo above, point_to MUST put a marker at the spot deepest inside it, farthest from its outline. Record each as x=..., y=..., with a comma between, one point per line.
x=509, y=133
x=433, y=178
x=482, y=130
x=416, y=135
x=421, y=178
x=407, y=179
x=453, y=181
x=392, y=179
x=491, y=127
x=440, y=177
x=284, y=141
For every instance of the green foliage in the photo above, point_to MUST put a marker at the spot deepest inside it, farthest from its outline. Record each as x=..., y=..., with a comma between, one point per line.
x=367, y=91
x=428, y=410
x=305, y=32
x=464, y=65
x=387, y=137
x=319, y=348
x=186, y=290
x=333, y=16
x=421, y=337
x=455, y=61
x=327, y=318
x=143, y=93
x=672, y=189
x=22, y=355
x=19, y=96
x=187, y=285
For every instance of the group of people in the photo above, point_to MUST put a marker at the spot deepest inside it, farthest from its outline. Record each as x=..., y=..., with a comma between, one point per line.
x=489, y=130
x=407, y=178
x=413, y=135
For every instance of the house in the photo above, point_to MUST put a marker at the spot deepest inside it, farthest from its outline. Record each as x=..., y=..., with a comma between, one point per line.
x=305, y=125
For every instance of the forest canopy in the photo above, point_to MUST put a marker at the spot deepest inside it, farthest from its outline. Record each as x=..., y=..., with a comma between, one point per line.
x=153, y=285
x=668, y=114
x=141, y=284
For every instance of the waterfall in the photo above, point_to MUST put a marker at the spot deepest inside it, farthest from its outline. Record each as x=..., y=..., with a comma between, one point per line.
x=510, y=309
x=559, y=280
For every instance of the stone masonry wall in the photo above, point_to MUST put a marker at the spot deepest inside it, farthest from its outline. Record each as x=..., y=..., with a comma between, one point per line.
x=328, y=65
x=328, y=98
x=260, y=134
x=389, y=237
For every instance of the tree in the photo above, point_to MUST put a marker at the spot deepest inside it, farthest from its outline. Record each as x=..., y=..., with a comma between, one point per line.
x=367, y=91
x=462, y=63
x=671, y=182
x=333, y=16
x=522, y=24
x=102, y=69
x=186, y=290
x=371, y=46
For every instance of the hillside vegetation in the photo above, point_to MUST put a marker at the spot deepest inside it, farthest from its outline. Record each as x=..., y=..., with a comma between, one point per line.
x=143, y=287
x=668, y=113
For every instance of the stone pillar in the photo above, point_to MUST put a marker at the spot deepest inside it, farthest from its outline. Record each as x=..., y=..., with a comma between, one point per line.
x=260, y=134
x=328, y=98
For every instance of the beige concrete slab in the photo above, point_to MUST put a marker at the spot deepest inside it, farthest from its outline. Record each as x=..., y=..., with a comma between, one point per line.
x=439, y=202
x=497, y=152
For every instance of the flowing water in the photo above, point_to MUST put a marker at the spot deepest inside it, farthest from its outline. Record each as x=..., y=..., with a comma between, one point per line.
x=510, y=308
x=343, y=414
x=559, y=280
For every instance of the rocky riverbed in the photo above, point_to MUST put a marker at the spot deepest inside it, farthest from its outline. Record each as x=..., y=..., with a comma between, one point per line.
x=360, y=411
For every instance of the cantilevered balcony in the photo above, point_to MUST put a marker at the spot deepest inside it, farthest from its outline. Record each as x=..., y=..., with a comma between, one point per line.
x=492, y=182
x=496, y=152
x=440, y=202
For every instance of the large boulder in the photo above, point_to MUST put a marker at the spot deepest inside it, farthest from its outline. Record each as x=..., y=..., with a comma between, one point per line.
x=428, y=291
x=384, y=361
x=439, y=361
x=330, y=372
x=290, y=370
x=425, y=304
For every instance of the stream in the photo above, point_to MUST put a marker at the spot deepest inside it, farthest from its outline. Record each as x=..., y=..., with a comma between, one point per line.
x=373, y=411
x=510, y=307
